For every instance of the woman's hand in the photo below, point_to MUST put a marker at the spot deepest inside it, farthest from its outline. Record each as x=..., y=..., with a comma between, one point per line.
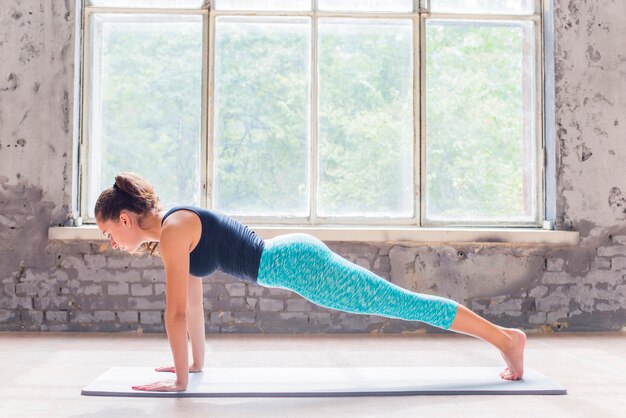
x=171, y=369
x=164, y=386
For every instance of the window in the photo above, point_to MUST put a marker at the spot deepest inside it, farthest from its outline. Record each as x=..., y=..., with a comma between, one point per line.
x=309, y=112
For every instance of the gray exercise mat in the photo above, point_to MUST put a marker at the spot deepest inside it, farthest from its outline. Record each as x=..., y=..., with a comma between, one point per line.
x=327, y=382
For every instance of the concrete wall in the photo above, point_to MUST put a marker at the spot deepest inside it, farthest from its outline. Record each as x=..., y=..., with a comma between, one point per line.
x=52, y=286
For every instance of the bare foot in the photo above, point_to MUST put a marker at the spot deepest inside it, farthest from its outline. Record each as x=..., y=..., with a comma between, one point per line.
x=514, y=355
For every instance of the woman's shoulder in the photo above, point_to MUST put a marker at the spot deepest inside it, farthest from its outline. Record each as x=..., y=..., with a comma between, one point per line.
x=179, y=214
x=182, y=227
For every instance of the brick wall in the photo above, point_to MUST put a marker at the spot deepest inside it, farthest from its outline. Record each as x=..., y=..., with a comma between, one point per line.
x=78, y=286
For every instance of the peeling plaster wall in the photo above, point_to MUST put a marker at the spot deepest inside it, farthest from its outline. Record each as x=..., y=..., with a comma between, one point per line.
x=82, y=286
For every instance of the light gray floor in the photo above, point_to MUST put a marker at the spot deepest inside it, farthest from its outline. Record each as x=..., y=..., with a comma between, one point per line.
x=44, y=374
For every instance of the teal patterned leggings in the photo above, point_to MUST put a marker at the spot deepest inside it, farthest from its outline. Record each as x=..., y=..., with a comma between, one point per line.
x=305, y=265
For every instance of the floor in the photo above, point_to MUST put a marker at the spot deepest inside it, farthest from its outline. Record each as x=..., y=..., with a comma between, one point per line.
x=44, y=373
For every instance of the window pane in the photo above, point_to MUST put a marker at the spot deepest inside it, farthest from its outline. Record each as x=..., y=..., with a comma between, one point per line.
x=145, y=103
x=480, y=123
x=279, y=5
x=366, y=5
x=483, y=6
x=157, y=4
x=262, y=122
x=365, y=118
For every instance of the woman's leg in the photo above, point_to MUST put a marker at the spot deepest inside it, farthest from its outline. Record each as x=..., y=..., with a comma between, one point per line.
x=509, y=341
x=305, y=265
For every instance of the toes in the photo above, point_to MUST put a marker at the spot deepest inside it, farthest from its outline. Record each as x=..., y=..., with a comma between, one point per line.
x=508, y=374
x=511, y=376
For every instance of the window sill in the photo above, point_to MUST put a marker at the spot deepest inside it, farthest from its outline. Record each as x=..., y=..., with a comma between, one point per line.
x=408, y=235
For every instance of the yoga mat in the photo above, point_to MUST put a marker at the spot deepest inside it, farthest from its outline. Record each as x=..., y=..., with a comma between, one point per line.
x=326, y=382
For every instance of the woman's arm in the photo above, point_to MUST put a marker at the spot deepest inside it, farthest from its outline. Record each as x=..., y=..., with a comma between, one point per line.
x=195, y=326
x=175, y=243
x=195, y=323
x=175, y=254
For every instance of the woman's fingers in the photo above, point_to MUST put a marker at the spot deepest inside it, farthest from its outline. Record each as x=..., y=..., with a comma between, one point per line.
x=165, y=386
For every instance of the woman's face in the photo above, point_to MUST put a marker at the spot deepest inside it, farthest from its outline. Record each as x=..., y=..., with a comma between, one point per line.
x=125, y=234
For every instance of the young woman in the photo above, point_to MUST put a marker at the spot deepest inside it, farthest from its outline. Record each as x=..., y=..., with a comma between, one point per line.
x=195, y=242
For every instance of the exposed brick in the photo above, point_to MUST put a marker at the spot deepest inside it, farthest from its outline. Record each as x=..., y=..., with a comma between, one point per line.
x=382, y=263
x=298, y=305
x=555, y=264
x=512, y=307
x=5, y=315
x=252, y=302
x=601, y=264
x=159, y=289
x=36, y=277
x=557, y=278
x=16, y=302
x=9, y=288
x=150, y=317
x=558, y=316
x=294, y=317
x=154, y=275
x=95, y=262
x=320, y=317
x=603, y=306
x=538, y=292
x=143, y=261
x=90, y=289
x=56, y=316
x=215, y=290
x=25, y=289
x=620, y=239
x=479, y=305
x=138, y=289
x=271, y=305
x=117, y=288
x=58, y=327
x=255, y=290
x=141, y=303
x=355, y=323
x=618, y=263
x=32, y=317
x=612, y=251
x=81, y=317
x=72, y=262
x=556, y=299
x=578, y=260
x=244, y=317
x=221, y=317
x=118, y=263
x=583, y=294
x=128, y=316
x=279, y=293
x=611, y=277
x=225, y=304
x=363, y=262
x=104, y=316
x=236, y=289
x=52, y=302
x=537, y=318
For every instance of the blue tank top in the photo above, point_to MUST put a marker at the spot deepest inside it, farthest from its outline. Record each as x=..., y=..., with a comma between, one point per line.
x=225, y=244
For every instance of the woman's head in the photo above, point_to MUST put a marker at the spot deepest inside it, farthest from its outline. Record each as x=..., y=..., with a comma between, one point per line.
x=121, y=209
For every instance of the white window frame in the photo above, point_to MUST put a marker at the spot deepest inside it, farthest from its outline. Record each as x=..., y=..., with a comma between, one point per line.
x=419, y=16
